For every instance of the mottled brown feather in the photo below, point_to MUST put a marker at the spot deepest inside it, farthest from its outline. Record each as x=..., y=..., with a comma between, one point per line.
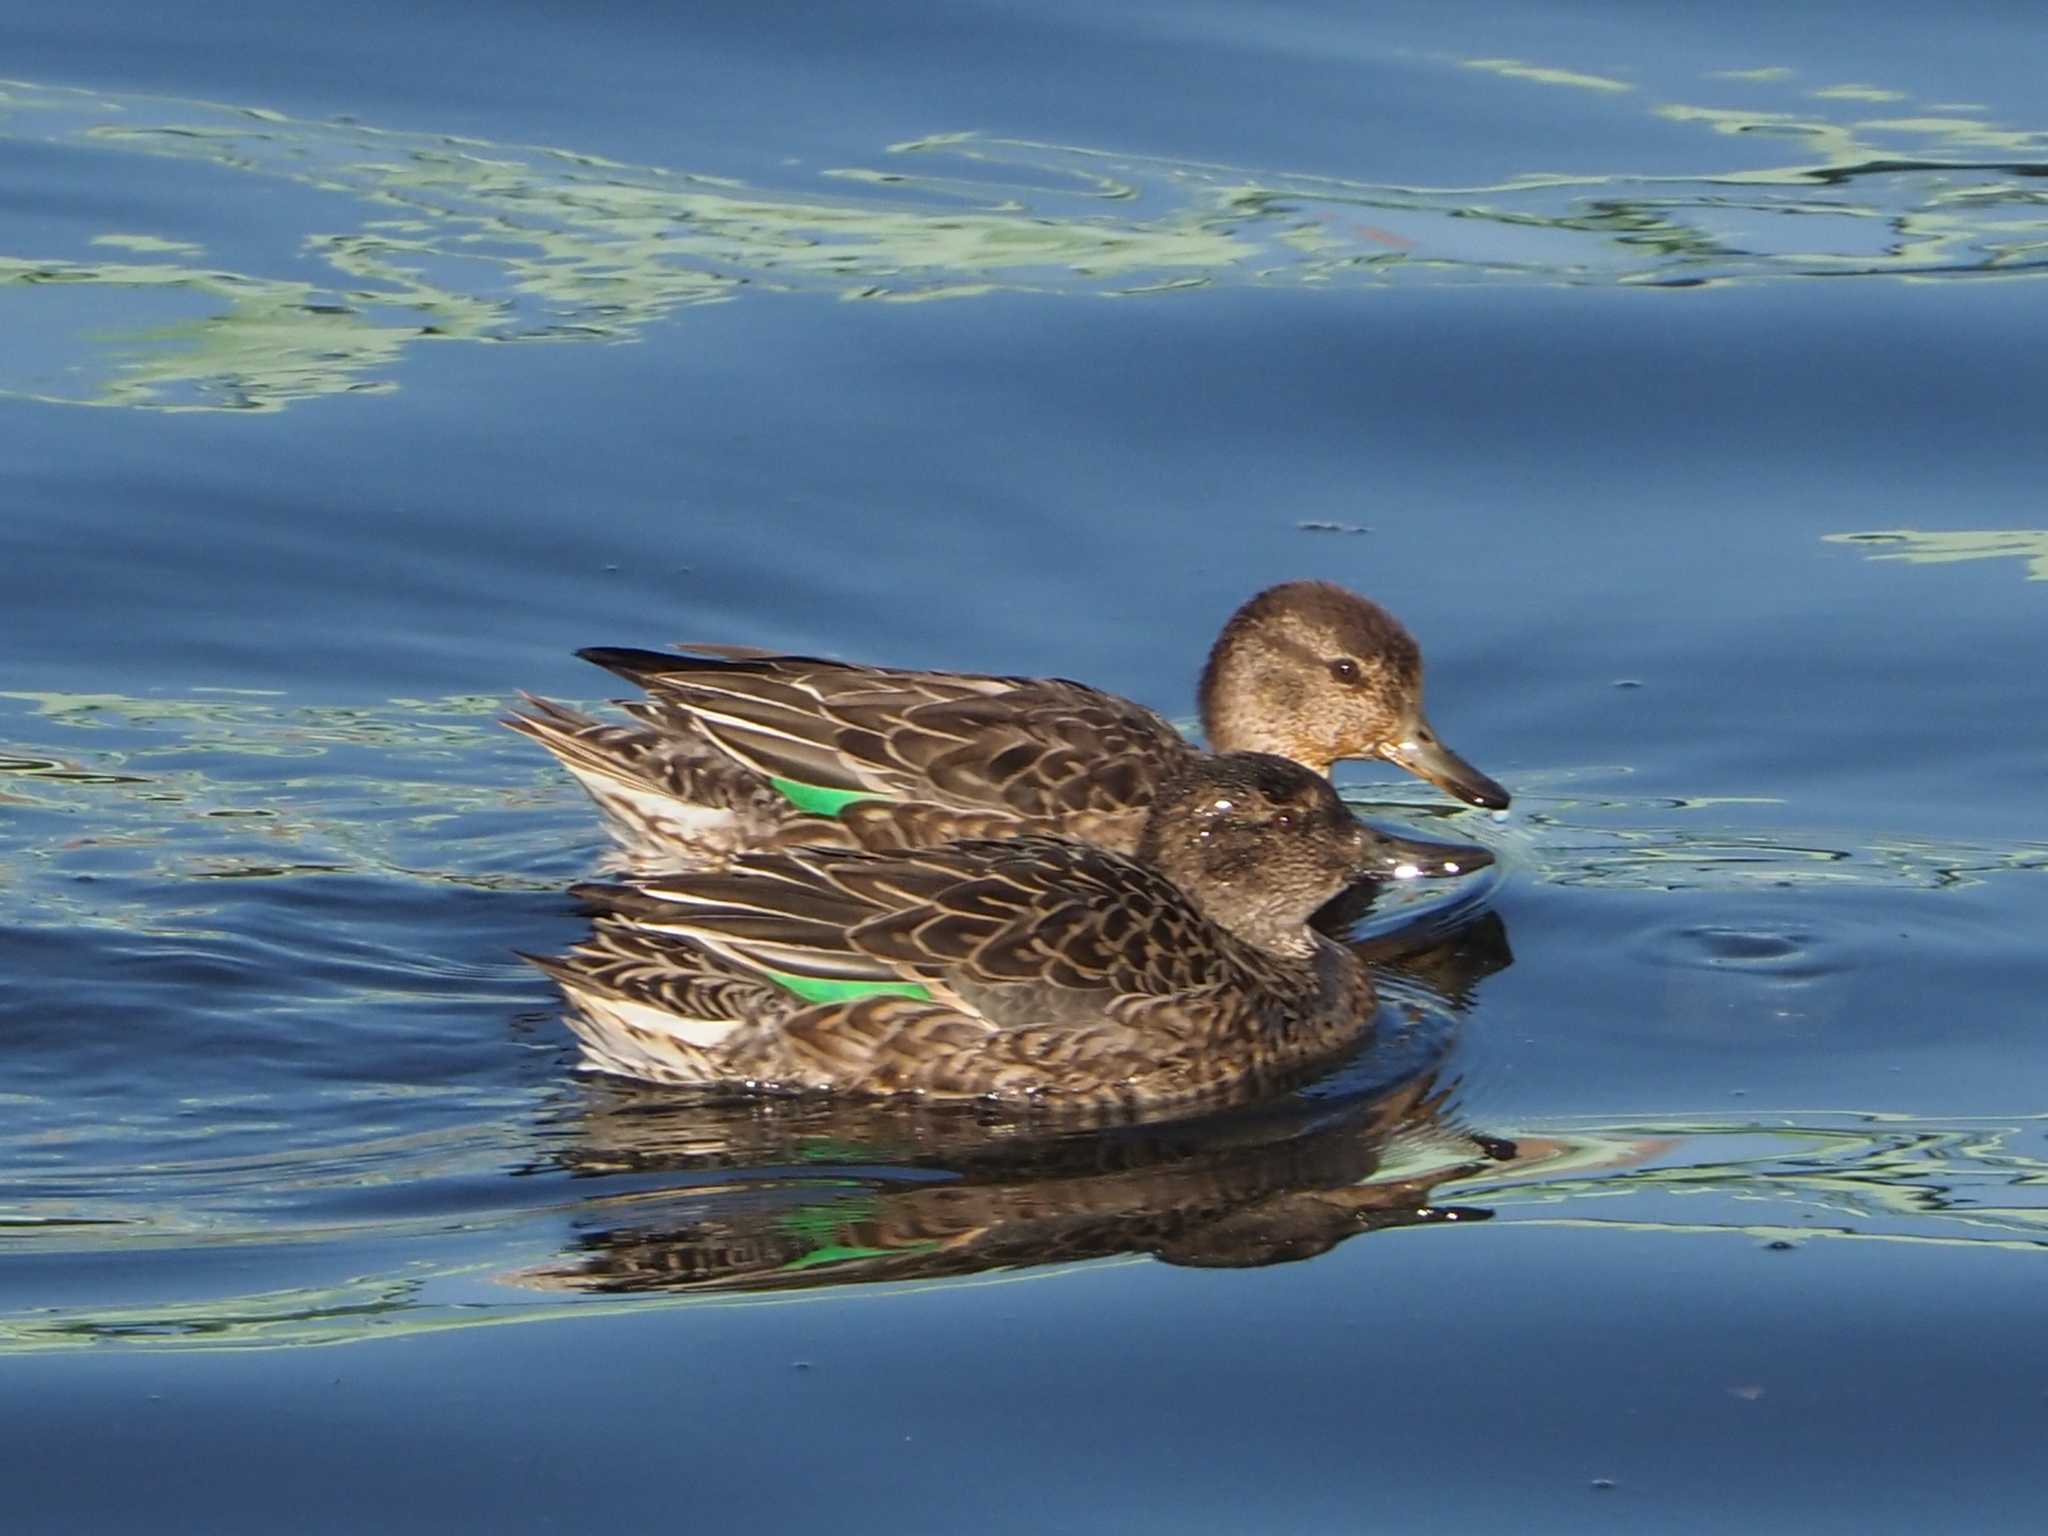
x=951, y=755
x=1051, y=967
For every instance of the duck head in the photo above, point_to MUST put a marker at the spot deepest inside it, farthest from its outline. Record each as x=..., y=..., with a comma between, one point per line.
x=1259, y=843
x=1315, y=673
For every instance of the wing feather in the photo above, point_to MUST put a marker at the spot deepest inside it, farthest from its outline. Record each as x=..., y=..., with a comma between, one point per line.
x=1036, y=747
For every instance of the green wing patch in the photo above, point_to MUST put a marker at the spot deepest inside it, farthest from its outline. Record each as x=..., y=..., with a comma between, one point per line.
x=816, y=801
x=816, y=989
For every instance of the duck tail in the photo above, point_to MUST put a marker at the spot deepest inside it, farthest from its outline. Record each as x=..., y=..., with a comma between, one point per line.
x=665, y=791
x=661, y=1009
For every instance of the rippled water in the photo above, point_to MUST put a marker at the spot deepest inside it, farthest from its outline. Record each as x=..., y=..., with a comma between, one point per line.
x=1674, y=381
x=453, y=238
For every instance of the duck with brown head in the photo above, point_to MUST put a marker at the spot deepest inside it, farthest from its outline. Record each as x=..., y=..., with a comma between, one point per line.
x=1027, y=967
x=733, y=750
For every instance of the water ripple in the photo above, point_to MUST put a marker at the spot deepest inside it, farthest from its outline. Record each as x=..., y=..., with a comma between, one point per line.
x=458, y=239
x=266, y=1003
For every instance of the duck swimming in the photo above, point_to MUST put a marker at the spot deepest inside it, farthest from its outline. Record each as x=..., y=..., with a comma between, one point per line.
x=1022, y=968
x=734, y=749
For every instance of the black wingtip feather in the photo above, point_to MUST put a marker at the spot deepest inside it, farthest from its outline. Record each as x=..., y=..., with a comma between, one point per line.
x=625, y=902
x=627, y=662
x=615, y=900
x=638, y=666
x=553, y=965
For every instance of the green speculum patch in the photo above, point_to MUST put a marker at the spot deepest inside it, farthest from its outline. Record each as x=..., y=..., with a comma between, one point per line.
x=816, y=989
x=817, y=801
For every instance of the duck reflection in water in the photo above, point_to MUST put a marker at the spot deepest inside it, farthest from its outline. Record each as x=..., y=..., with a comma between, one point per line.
x=787, y=1194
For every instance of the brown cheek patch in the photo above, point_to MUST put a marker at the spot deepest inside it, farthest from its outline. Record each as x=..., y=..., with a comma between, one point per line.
x=1316, y=752
x=1283, y=689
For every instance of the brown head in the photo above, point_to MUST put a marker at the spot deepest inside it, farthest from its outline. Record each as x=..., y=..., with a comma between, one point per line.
x=1312, y=672
x=1258, y=842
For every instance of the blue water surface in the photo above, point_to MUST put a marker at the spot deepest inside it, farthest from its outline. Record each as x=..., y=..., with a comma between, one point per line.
x=1672, y=372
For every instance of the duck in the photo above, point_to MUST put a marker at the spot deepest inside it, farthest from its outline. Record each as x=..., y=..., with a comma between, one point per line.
x=733, y=749
x=1031, y=968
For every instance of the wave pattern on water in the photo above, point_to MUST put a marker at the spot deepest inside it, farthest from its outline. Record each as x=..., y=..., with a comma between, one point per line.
x=455, y=239
x=680, y=1216
x=265, y=961
x=1561, y=835
x=1800, y=1175
x=274, y=1011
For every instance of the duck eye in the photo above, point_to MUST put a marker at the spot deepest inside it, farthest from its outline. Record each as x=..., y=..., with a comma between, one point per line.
x=1284, y=821
x=1345, y=670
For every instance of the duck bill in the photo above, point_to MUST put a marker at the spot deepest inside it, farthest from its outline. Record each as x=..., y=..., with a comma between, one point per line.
x=1383, y=857
x=1427, y=758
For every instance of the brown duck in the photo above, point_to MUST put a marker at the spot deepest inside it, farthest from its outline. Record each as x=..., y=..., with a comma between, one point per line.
x=733, y=750
x=1032, y=967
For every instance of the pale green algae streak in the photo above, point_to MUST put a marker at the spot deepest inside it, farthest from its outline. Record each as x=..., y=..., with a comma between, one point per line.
x=1945, y=547
x=441, y=238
